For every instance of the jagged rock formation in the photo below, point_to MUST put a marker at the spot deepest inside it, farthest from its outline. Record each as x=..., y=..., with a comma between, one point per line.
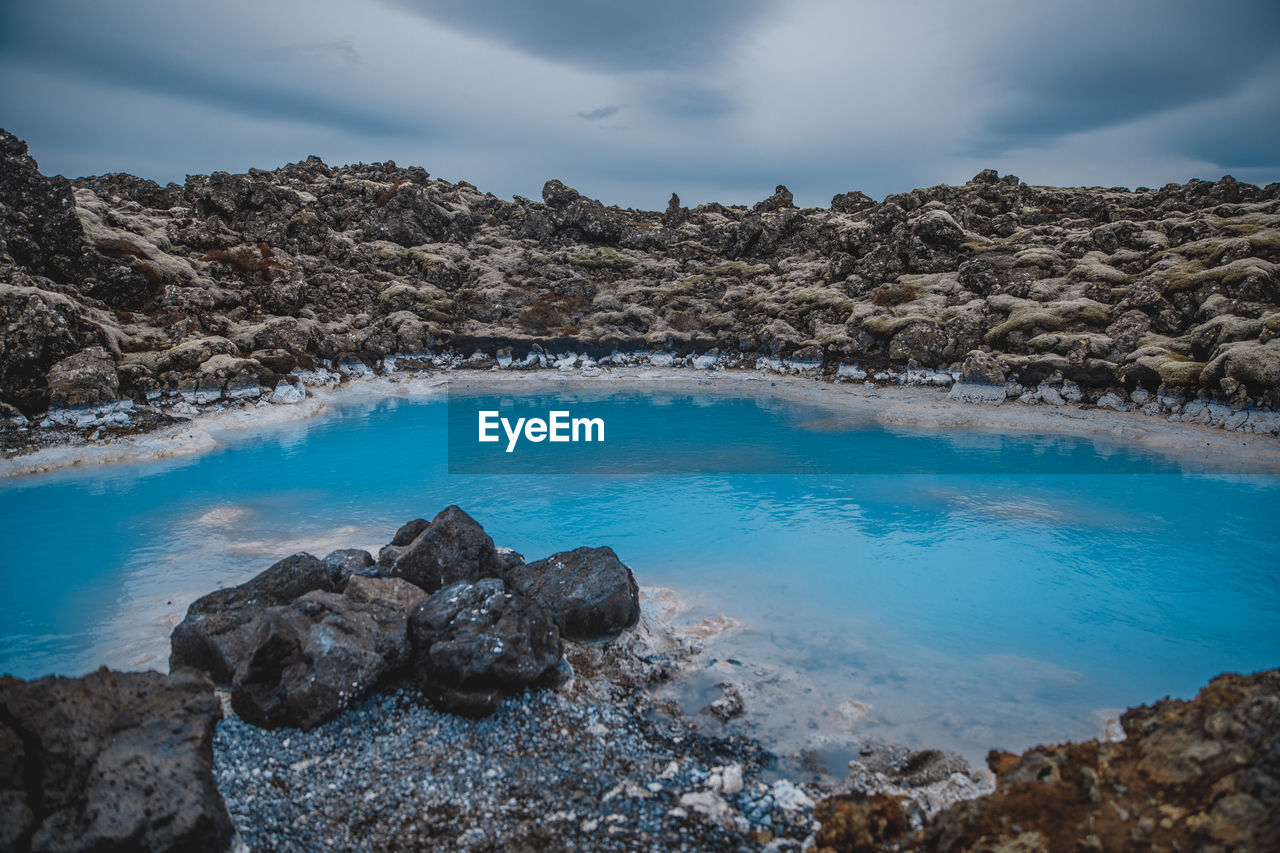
x=220, y=287
x=1190, y=775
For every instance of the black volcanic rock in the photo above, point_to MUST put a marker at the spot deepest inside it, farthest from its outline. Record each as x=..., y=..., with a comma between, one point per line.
x=474, y=643
x=310, y=659
x=589, y=591
x=453, y=547
x=38, y=223
x=110, y=761
x=218, y=632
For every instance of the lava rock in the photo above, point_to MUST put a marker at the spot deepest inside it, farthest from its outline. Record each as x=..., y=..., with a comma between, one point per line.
x=84, y=379
x=312, y=658
x=218, y=631
x=347, y=562
x=110, y=761
x=982, y=368
x=589, y=591
x=474, y=643
x=452, y=548
x=38, y=223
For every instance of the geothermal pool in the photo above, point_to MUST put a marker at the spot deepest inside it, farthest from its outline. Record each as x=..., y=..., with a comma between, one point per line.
x=952, y=589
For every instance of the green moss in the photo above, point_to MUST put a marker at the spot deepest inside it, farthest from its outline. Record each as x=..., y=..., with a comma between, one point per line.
x=605, y=259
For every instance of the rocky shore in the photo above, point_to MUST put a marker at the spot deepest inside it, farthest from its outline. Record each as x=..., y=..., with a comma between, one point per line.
x=128, y=306
x=447, y=694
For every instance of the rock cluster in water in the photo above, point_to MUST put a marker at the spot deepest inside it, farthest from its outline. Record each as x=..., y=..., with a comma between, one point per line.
x=472, y=624
x=119, y=296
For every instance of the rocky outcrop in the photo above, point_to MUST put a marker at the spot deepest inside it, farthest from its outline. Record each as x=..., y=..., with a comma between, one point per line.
x=1191, y=775
x=474, y=643
x=218, y=633
x=1172, y=292
x=312, y=658
x=589, y=592
x=110, y=761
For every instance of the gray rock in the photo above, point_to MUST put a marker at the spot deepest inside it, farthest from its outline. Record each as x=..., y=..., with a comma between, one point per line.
x=346, y=562
x=452, y=548
x=312, y=658
x=84, y=379
x=589, y=591
x=982, y=368
x=217, y=633
x=474, y=643
x=110, y=761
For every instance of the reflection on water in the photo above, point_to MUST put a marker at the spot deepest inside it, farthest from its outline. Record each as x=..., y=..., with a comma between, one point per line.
x=965, y=611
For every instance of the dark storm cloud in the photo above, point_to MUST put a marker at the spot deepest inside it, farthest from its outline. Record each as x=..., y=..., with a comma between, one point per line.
x=1090, y=65
x=717, y=100
x=608, y=36
x=98, y=45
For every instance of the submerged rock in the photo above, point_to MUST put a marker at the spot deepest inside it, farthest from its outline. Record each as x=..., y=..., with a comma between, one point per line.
x=110, y=761
x=310, y=659
x=217, y=633
x=589, y=591
x=474, y=643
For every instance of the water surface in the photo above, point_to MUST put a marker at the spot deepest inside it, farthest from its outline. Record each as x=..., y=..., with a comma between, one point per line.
x=965, y=604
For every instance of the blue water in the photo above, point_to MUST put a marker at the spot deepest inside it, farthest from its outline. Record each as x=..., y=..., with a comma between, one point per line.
x=965, y=610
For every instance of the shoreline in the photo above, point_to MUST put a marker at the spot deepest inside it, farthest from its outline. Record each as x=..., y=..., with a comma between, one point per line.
x=904, y=405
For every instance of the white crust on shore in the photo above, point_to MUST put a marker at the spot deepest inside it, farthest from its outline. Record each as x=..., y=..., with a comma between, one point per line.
x=905, y=406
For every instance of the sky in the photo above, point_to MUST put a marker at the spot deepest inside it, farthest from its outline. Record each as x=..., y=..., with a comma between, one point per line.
x=717, y=100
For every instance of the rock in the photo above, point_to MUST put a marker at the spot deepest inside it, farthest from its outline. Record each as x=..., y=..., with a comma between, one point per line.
x=675, y=214
x=310, y=659
x=218, y=631
x=474, y=643
x=857, y=823
x=921, y=341
x=38, y=223
x=84, y=379
x=780, y=200
x=110, y=761
x=728, y=704
x=1192, y=775
x=40, y=329
x=982, y=368
x=453, y=547
x=851, y=202
x=346, y=562
x=589, y=591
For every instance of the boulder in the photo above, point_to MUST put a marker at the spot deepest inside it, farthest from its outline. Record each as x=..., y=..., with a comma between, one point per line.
x=589, y=592
x=453, y=547
x=84, y=379
x=308, y=660
x=110, y=761
x=982, y=368
x=346, y=562
x=217, y=633
x=474, y=643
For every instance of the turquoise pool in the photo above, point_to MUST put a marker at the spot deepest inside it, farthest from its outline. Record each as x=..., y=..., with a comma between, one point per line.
x=962, y=601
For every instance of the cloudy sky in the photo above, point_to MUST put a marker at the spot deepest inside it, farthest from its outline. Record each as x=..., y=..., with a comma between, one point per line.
x=629, y=101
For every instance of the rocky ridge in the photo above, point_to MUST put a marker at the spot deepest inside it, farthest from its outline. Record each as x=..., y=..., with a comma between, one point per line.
x=126, y=304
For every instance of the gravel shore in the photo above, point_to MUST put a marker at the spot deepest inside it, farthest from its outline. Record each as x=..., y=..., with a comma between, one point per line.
x=548, y=770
